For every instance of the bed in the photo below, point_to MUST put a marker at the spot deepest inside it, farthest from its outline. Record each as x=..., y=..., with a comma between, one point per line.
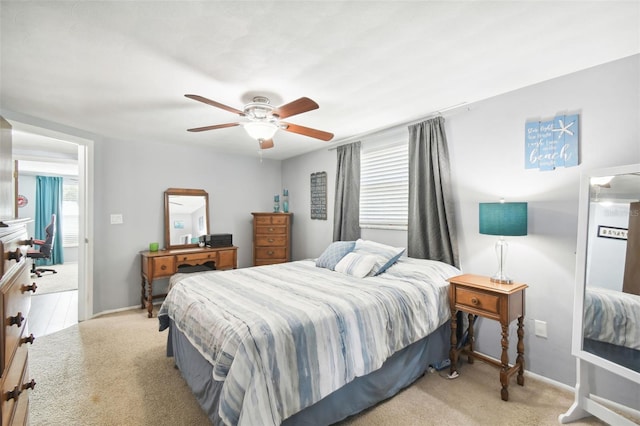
x=295, y=343
x=612, y=325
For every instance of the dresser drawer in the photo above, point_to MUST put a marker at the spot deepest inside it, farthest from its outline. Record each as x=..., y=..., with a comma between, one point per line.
x=271, y=240
x=261, y=262
x=226, y=259
x=279, y=220
x=16, y=305
x=269, y=230
x=163, y=266
x=196, y=258
x=14, y=380
x=271, y=253
x=475, y=300
x=262, y=220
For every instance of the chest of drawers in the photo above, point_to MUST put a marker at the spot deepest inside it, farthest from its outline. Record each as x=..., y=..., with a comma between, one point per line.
x=271, y=238
x=15, y=302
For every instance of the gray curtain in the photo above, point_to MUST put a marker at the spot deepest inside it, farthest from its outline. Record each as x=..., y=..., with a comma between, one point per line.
x=431, y=225
x=346, y=213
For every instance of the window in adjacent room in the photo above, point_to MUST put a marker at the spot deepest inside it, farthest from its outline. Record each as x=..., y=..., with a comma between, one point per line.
x=70, y=216
x=384, y=186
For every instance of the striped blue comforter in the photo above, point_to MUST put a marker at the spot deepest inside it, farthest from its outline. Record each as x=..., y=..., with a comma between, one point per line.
x=282, y=337
x=612, y=316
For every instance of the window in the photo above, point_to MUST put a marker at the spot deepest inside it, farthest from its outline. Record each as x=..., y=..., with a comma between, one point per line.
x=70, y=216
x=384, y=186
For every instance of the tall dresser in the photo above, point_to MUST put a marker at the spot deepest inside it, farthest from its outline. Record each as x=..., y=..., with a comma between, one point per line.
x=15, y=295
x=271, y=238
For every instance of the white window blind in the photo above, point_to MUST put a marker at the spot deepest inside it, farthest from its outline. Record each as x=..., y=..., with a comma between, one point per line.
x=70, y=216
x=384, y=187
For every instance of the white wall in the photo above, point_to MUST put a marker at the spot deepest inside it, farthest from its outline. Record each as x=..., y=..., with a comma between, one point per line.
x=486, y=145
x=130, y=179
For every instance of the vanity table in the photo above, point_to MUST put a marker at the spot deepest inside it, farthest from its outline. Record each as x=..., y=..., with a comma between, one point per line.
x=164, y=263
x=186, y=218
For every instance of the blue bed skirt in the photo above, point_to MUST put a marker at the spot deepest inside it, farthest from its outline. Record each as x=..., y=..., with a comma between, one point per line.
x=398, y=372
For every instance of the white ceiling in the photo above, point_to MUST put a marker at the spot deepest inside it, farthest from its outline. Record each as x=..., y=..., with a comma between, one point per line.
x=120, y=69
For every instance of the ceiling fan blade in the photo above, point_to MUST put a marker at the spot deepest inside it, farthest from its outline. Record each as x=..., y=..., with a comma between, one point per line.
x=215, y=104
x=266, y=144
x=306, y=131
x=296, y=107
x=215, y=126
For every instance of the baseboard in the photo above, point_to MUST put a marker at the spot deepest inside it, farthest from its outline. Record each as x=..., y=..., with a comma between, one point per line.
x=114, y=311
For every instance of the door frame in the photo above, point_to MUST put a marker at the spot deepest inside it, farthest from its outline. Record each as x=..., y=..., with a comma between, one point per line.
x=85, y=200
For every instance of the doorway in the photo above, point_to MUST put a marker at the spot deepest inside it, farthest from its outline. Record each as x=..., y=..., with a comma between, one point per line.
x=41, y=151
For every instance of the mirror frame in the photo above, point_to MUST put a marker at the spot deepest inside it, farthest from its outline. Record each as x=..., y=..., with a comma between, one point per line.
x=577, y=347
x=167, y=221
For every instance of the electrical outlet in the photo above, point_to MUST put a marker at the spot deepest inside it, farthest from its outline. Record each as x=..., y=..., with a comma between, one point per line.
x=116, y=219
x=540, y=328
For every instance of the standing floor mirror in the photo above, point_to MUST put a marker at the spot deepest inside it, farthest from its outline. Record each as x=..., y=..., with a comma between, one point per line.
x=606, y=317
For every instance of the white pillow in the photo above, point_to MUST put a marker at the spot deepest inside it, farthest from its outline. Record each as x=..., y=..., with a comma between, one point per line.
x=356, y=265
x=385, y=255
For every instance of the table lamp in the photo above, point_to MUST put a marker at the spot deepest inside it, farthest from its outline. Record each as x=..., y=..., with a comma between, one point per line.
x=503, y=219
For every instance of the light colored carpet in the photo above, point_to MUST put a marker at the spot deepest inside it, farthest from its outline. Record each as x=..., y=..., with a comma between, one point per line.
x=112, y=370
x=65, y=279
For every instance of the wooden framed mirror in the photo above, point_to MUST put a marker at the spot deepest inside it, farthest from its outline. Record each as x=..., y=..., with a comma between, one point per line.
x=606, y=317
x=186, y=217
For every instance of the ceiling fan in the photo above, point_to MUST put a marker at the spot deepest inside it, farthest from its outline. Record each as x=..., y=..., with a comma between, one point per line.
x=264, y=119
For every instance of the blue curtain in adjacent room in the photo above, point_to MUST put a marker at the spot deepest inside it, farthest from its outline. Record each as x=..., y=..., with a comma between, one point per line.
x=48, y=202
x=431, y=224
x=346, y=212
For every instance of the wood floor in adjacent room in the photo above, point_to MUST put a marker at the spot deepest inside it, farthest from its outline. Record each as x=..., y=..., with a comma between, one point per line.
x=53, y=312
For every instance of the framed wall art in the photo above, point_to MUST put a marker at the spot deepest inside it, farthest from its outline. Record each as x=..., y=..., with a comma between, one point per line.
x=319, y=195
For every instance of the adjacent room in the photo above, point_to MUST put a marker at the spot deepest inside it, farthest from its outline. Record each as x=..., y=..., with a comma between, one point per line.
x=320, y=212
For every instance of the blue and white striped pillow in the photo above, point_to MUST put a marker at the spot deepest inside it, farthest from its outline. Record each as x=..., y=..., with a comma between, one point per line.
x=334, y=253
x=357, y=265
x=385, y=255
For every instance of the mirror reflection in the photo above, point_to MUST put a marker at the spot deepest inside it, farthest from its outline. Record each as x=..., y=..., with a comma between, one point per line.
x=186, y=217
x=612, y=282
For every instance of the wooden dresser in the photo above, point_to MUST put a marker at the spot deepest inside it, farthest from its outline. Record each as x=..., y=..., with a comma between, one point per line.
x=15, y=292
x=271, y=238
x=164, y=263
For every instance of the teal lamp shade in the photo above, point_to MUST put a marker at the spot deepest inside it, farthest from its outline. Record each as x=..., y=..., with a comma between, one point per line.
x=504, y=219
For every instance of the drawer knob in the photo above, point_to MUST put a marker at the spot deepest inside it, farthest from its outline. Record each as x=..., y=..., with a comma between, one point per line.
x=29, y=339
x=14, y=394
x=475, y=301
x=30, y=385
x=17, y=320
x=270, y=229
x=163, y=267
x=270, y=252
x=31, y=287
x=28, y=242
x=14, y=255
x=271, y=240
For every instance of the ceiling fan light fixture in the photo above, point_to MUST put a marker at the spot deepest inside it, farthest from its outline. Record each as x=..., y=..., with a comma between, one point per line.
x=260, y=130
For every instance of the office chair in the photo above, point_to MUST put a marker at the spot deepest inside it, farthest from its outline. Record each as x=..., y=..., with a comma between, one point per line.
x=46, y=247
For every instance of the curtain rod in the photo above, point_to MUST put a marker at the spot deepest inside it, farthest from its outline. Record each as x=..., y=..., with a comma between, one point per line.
x=434, y=114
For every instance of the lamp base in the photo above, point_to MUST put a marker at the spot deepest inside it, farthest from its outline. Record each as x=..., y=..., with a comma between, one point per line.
x=501, y=251
x=501, y=280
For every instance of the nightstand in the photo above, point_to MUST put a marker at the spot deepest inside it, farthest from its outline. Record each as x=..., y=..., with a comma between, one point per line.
x=478, y=295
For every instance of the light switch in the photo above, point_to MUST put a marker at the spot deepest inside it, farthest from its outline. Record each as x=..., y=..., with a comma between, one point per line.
x=540, y=328
x=116, y=219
